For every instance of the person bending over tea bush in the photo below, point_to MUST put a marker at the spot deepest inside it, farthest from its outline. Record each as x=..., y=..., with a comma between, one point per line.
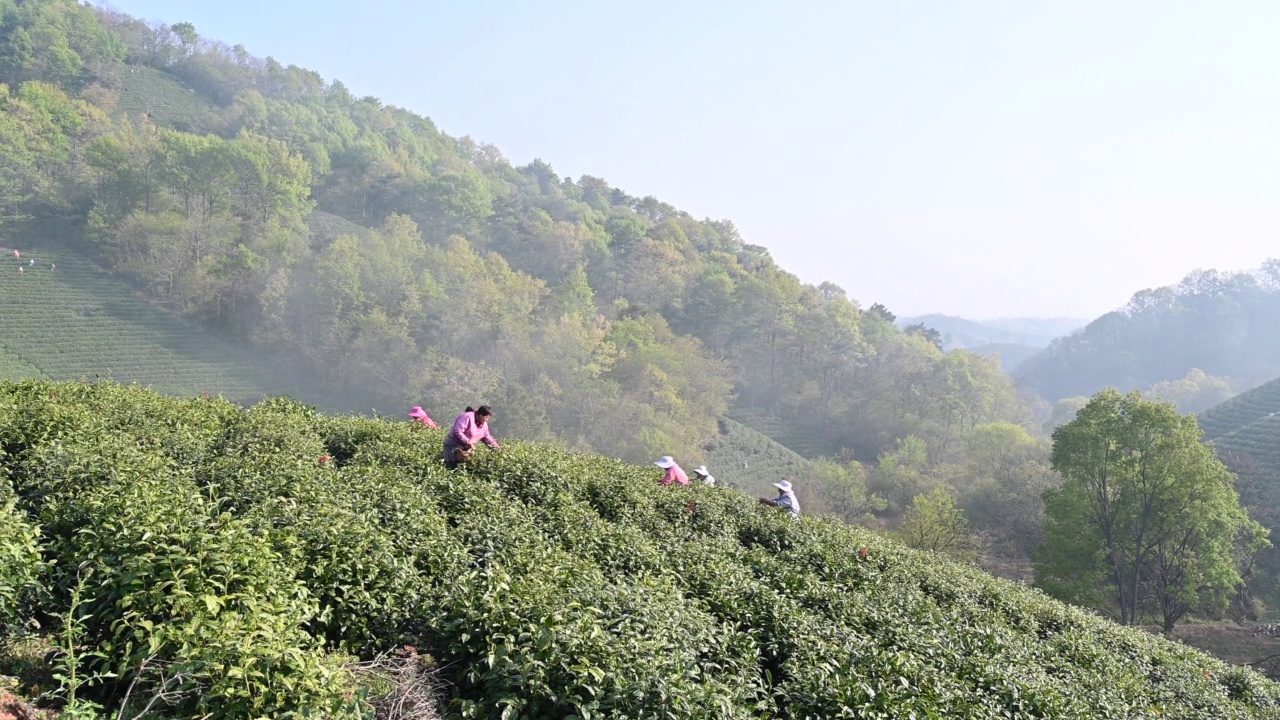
x=470, y=428
x=786, y=499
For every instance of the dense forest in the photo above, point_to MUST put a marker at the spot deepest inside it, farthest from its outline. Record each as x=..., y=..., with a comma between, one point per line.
x=384, y=261
x=1195, y=343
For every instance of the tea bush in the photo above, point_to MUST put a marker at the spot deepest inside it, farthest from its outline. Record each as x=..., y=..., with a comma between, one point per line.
x=255, y=548
x=20, y=561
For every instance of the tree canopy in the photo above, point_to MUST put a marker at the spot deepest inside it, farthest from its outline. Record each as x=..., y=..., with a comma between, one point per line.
x=1147, y=520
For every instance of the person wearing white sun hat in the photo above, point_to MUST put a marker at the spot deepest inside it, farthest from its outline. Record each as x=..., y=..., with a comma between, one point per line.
x=675, y=473
x=786, y=499
x=702, y=472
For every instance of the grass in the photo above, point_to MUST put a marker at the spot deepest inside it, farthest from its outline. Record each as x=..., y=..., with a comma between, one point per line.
x=79, y=322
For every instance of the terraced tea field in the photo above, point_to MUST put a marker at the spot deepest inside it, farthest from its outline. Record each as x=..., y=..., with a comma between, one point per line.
x=802, y=443
x=13, y=367
x=1256, y=405
x=79, y=322
x=164, y=99
x=739, y=457
x=1246, y=432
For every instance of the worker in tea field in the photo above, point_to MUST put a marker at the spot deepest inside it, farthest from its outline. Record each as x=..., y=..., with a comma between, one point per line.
x=786, y=499
x=470, y=428
x=675, y=473
x=420, y=415
x=704, y=475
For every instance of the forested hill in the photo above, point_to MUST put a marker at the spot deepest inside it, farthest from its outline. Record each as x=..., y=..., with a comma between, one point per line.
x=373, y=254
x=1222, y=324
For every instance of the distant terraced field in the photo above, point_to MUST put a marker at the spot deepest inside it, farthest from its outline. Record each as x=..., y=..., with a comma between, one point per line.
x=1245, y=431
x=1239, y=412
x=79, y=322
x=164, y=99
x=742, y=458
x=13, y=367
x=803, y=443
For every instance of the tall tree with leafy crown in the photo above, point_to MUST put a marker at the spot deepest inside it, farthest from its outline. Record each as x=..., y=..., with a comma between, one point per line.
x=1147, y=521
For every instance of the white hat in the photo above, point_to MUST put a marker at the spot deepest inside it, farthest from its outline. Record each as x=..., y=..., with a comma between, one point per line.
x=784, y=486
x=701, y=470
x=666, y=462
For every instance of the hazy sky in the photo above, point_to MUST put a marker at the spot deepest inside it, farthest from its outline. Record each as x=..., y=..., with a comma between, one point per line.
x=974, y=158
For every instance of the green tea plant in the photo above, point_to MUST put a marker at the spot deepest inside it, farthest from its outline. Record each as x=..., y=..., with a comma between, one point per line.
x=20, y=562
x=250, y=551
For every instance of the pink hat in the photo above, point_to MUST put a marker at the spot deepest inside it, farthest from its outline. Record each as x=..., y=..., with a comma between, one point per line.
x=417, y=413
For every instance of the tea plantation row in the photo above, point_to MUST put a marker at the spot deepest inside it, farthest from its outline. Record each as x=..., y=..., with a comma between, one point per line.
x=78, y=321
x=250, y=552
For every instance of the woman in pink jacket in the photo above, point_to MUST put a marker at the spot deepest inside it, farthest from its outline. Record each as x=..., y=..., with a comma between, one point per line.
x=470, y=428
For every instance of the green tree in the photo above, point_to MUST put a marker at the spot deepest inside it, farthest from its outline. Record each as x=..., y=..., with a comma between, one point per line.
x=1147, y=518
x=1064, y=411
x=1196, y=392
x=901, y=474
x=933, y=522
x=1001, y=486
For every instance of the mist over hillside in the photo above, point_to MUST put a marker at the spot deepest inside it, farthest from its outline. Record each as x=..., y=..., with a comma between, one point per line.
x=958, y=332
x=1218, y=323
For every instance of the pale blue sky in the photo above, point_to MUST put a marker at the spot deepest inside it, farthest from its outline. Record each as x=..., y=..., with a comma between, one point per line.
x=974, y=158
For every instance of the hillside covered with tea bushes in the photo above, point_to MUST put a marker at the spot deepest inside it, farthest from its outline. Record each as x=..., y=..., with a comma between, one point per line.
x=382, y=263
x=252, y=553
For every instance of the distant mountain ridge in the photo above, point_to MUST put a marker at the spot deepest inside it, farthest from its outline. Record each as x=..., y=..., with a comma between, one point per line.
x=1221, y=323
x=1052, y=327
x=958, y=332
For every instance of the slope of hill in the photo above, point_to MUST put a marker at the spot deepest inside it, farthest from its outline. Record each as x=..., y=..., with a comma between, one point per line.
x=1245, y=432
x=1042, y=327
x=77, y=321
x=743, y=458
x=390, y=260
x=165, y=101
x=545, y=585
x=1239, y=412
x=960, y=333
x=13, y=367
x=802, y=442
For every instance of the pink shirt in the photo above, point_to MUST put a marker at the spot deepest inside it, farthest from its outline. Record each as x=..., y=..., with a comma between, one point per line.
x=675, y=474
x=468, y=432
